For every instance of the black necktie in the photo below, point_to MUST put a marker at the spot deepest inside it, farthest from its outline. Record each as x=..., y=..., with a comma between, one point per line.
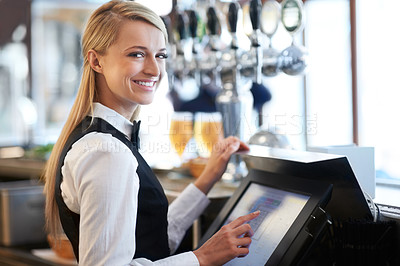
x=135, y=134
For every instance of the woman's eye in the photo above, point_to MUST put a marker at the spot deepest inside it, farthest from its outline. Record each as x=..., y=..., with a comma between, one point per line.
x=136, y=54
x=162, y=56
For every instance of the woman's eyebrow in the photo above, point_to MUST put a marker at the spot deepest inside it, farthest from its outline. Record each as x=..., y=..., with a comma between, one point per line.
x=144, y=48
x=136, y=47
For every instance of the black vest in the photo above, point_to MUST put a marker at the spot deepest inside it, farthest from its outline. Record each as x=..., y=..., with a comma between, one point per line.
x=151, y=225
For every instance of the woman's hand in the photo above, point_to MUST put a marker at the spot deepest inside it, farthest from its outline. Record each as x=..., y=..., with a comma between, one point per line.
x=216, y=164
x=231, y=241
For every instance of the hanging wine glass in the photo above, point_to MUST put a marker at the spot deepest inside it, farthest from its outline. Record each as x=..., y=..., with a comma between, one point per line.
x=270, y=18
x=295, y=57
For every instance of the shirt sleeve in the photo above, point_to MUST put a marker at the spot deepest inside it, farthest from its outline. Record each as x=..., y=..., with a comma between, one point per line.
x=101, y=184
x=183, y=259
x=182, y=212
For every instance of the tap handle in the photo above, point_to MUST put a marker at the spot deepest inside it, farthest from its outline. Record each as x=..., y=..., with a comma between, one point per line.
x=181, y=26
x=192, y=23
x=233, y=16
x=212, y=21
x=255, y=12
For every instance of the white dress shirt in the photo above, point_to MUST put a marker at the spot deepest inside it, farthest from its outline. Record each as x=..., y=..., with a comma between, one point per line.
x=101, y=184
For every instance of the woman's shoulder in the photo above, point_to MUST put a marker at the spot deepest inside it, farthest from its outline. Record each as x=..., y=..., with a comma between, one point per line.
x=100, y=142
x=99, y=152
x=96, y=147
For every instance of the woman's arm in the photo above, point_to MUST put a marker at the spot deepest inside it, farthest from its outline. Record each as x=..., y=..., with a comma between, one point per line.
x=223, y=246
x=185, y=209
x=182, y=212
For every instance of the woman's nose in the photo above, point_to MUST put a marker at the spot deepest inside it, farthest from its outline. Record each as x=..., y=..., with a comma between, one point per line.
x=151, y=67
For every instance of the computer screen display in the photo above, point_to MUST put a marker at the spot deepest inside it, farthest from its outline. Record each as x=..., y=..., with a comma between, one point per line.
x=286, y=226
x=278, y=210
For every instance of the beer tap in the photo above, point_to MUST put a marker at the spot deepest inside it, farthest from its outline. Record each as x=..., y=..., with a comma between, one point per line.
x=205, y=100
x=209, y=68
x=261, y=94
x=227, y=101
x=212, y=55
x=194, y=67
x=233, y=102
x=180, y=62
x=184, y=84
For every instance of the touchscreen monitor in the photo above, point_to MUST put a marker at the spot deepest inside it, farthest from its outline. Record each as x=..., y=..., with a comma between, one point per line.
x=282, y=228
x=278, y=210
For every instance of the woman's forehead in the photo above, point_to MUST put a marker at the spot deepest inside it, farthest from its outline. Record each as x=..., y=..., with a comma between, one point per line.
x=140, y=33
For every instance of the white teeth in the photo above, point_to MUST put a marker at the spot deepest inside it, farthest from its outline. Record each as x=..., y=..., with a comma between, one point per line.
x=148, y=84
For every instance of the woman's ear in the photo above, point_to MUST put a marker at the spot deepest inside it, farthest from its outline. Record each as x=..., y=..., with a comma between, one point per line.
x=94, y=61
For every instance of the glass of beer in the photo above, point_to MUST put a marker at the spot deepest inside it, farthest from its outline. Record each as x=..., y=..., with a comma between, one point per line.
x=181, y=131
x=208, y=131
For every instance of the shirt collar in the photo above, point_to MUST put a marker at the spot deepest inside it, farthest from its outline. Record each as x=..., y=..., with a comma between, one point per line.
x=112, y=117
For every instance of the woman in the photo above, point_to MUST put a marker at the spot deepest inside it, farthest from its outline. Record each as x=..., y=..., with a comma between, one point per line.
x=110, y=204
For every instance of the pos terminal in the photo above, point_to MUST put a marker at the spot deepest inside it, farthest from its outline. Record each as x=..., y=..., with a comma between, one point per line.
x=298, y=194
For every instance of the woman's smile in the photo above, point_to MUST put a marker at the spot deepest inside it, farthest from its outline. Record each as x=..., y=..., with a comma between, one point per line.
x=148, y=85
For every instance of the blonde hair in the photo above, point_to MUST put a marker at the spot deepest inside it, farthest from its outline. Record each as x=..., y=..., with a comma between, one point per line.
x=100, y=33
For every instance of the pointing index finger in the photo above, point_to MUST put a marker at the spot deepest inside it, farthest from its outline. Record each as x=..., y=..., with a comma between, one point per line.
x=245, y=218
